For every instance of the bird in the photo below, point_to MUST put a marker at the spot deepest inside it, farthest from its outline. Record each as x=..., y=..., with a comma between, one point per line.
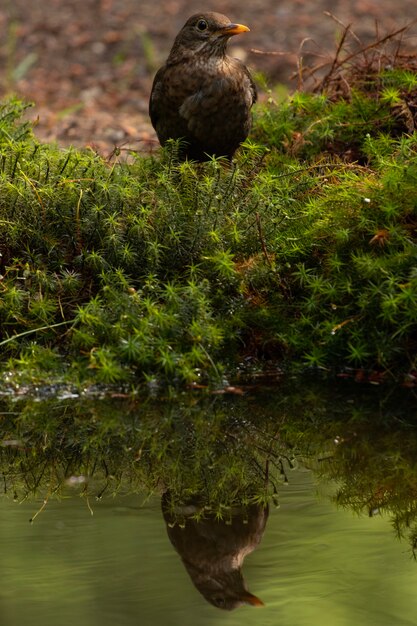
x=213, y=550
x=201, y=95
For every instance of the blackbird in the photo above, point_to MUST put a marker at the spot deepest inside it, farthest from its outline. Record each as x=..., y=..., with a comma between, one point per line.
x=213, y=550
x=201, y=95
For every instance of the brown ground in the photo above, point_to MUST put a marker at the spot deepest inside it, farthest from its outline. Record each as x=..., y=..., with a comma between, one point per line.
x=88, y=64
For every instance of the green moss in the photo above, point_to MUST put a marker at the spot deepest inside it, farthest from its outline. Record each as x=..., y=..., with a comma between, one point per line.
x=159, y=270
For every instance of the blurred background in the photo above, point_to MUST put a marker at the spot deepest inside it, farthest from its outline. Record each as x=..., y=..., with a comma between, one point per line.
x=89, y=64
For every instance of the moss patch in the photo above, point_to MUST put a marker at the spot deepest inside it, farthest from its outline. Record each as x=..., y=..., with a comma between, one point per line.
x=303, y=250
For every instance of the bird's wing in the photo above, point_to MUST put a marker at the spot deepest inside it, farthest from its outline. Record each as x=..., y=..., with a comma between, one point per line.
x=253, y=87
x=191, y=107
x=156, y=97
x=199, y=106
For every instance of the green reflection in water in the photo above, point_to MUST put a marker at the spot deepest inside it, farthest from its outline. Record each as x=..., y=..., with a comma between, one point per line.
x=315, y=565
x=220, y=461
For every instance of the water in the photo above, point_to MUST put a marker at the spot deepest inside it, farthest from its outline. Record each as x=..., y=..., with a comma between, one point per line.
x=316, y=565
x=100, y=550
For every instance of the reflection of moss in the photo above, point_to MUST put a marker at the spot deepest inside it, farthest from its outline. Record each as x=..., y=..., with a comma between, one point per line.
x=208, y=448
x=376, y=471
x=227, y=451
x=367, y=445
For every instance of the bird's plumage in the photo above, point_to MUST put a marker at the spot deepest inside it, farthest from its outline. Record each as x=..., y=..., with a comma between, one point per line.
x=213, y=550
x=201, y=95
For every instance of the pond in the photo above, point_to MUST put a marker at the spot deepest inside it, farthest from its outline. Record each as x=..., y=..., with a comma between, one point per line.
x=289, y=502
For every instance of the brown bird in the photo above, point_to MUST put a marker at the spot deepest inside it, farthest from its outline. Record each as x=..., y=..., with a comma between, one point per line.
x=201, y=95
x=213, y=550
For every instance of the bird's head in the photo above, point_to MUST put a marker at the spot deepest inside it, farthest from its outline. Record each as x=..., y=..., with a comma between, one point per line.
x=207, y=33
x=224, y=587
x=228, y=601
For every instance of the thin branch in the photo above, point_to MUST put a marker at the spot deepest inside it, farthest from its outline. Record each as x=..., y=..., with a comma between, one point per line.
x=351, y=32
x=333, y=66
x=261, y=237
x=272, y=53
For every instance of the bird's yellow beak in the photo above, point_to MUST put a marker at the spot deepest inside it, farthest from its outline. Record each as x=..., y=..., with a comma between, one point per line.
x=234, y=29
x=249, y=598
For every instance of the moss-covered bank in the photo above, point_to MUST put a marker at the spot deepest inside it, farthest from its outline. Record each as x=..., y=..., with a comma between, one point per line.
x=303, y=250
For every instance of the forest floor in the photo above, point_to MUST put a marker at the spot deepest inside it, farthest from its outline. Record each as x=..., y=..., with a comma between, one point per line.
x=88, y=65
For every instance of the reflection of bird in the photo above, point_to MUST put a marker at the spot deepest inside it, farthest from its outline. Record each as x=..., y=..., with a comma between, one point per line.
x=202, y=95
x=213, y=550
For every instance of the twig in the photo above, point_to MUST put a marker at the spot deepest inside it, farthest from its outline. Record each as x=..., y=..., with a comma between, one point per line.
x=261, y=237
x=338, y=64
x=89, y=506
x=326, y=79
x=300, y=63
x=269, y=52
x=354, y=35
x=45, y=502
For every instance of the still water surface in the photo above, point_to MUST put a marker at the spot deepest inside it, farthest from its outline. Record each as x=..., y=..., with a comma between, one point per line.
x=316, y=566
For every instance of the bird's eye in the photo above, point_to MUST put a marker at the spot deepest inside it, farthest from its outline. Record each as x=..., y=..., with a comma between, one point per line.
x=202, y=25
